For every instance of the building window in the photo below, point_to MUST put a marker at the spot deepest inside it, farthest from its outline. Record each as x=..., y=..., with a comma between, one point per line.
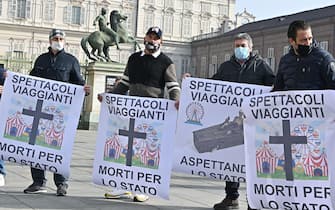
x=150, y=1
x=205, y=26
x=223, y=10
x=169, y=3
x=214, y=65
x=286, y=49
x=0, y=7
x=148, y=21
x=324, y=45
x=168, y=24
x=203, y=67
x=188, y=5
x=73, y=49
x=205, y=7
x=271, y=53
x=244, y=21
x=184, y=66
x=49, y=10
x=74, y=15
x=187, y=27
x=19, y=8
x=271, y=58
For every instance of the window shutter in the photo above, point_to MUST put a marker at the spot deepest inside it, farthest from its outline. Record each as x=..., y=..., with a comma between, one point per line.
x=67, y=14
x=82, y=16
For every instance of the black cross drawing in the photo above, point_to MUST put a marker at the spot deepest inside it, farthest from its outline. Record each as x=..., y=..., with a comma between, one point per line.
x=131, y=135
x=37, y=114
x=288, y=140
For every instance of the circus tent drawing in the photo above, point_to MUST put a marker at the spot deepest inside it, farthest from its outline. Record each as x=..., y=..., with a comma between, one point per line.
x=15, y=125
x=150, y=155
x=53, y=138
x=266, y=160
x=49, y=132
x=112, y=147
x=316, y=164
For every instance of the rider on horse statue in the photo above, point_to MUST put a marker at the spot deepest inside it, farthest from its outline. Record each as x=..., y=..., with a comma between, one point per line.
x=104, y=38
x=101, y=19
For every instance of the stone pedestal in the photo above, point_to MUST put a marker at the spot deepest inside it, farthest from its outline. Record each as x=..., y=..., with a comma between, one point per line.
x=96, y=73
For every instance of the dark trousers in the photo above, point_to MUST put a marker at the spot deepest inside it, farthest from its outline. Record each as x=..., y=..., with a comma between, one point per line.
x=232, y=190
x=2, y=168
x=40, y=180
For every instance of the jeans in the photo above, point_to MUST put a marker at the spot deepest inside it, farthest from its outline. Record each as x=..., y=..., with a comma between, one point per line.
x=2, y=167
x=232, y=190
x=40, y=180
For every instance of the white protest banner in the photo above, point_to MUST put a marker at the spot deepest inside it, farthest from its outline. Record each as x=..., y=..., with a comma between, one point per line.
x=209, y=139
x=39, y=119
x=286, y=137
x=134, y=144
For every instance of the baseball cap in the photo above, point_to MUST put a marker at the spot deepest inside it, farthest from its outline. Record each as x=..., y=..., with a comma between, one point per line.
x=156, y=30
x=56, y=32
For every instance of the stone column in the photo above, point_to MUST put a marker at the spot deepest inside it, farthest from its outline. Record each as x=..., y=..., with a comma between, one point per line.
x=96, y=73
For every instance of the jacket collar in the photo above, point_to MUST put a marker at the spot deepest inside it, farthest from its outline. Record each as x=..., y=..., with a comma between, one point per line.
x=59, y=52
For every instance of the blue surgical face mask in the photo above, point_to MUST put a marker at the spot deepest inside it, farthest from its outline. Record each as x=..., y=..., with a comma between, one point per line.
x=242, y=53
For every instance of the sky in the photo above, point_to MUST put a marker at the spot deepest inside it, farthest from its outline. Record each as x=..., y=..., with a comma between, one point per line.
x=264, y=9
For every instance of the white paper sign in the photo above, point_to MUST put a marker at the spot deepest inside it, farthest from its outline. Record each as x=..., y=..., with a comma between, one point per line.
x=209, y=139
x=288, y=136
x=134, y=144
x=39, y=119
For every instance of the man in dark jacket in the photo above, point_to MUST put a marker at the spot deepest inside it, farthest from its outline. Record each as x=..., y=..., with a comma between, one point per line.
x=2, y=168
x=60, y=66
x=243, y=67
x=146, y=75
x=306, y=66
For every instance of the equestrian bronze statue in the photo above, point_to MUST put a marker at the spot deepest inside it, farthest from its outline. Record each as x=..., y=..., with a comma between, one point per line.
x=104, y=38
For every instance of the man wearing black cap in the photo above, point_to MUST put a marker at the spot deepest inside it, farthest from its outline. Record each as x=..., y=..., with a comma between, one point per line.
x=60, y=66
x=147, y=74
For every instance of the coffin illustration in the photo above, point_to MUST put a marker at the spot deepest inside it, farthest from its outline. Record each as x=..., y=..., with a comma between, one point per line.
x=217, y=137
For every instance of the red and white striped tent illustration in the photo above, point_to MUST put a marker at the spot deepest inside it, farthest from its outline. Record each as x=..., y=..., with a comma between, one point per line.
x=15, y=125
x=266, y=159
x=316, y=164
x=150, y=154
x=53, y=138
x=113, y=147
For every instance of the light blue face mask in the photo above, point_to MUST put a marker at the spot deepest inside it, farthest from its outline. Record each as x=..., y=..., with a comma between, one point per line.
x=241, y=53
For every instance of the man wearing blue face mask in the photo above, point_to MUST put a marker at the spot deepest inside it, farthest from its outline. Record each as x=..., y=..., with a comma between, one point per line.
x=243, y=67
x=57, y=65
x=306, y=66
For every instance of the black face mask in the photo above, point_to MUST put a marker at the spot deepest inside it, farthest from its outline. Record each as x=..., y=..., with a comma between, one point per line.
x=151, y=47
x=304, y=50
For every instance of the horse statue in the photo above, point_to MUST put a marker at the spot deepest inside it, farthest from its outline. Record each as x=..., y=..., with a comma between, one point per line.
x=101, y=40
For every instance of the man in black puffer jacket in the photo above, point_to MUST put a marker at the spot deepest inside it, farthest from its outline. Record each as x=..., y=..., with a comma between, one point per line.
x=243, y=67
x=57, y=65
x=306, y=66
